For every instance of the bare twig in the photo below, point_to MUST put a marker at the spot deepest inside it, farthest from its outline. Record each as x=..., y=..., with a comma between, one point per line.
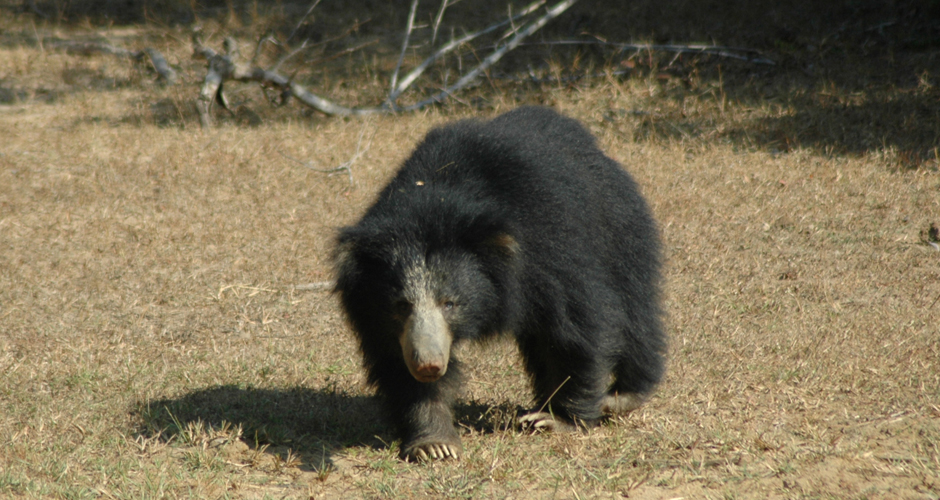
x=269, y=37
x=317, y=286
x=512, y=25
x=437, y=21
x=309, y=165
x=392, y=96
x=748, y=55
x=359, y=152
x=346, y=51
x=453, y=44
x=534, y=26
x=289, y=55
x=306, y=45
x=302, y=19
x=345, y=167
x=339, y=37
x=743, y=54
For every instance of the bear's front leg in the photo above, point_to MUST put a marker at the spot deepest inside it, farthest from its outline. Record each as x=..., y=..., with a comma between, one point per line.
x=423, y=412
x=430, y=433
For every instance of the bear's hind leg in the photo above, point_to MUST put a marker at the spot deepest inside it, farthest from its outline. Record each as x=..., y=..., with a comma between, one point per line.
x=634, y=380
x=569, y=386
x=538, y=421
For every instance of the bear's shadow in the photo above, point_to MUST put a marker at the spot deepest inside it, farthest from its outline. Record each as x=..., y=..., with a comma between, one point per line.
x=312, y=423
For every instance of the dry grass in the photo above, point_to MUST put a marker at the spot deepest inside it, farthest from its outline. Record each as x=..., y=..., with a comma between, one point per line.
x=152, y=343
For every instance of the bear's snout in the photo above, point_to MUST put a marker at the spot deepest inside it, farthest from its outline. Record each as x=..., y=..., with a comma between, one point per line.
x=425, y=343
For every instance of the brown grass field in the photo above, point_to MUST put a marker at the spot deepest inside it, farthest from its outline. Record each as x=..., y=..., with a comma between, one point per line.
x=160, y=336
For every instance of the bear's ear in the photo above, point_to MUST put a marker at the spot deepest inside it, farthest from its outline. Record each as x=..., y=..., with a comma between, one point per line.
x=345, y=265
x=503, y=243
x=491, y=236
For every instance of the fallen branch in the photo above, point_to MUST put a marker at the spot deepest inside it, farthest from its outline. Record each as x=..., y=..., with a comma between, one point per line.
x=157, y=61
x=228, y=66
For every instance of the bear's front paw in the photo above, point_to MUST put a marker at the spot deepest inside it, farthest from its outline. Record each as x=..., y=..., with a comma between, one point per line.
x=542, y=421
x=425, y=451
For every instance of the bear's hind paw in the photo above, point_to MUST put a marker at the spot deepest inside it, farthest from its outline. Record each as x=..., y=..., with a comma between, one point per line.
x=621, y=403
x=540, y=421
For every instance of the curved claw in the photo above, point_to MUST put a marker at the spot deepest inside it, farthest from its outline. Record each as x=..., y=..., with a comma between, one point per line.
x=542, y=421
x=433, y=451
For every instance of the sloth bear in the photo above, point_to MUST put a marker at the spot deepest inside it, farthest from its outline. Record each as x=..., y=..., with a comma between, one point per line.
x=522, y=226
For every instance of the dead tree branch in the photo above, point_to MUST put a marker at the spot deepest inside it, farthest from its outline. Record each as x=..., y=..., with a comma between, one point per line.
x=222, y=67
x=450, y=47
x=165, y=73
x=303, y=18
x=437, y=21
x=490, y=60
x=404, y=48
x=228, y=66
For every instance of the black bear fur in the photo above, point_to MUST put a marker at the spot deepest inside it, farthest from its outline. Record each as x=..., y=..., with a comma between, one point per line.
x=519, y=225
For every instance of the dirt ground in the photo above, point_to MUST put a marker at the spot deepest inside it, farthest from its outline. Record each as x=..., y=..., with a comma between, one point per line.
x=167, y=331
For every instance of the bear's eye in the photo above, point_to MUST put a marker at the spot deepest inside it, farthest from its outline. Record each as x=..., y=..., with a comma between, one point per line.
x=402, y=308
x=449, y=305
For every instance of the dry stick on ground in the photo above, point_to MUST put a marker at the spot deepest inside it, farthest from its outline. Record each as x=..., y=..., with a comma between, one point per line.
x=347, y=166
x=317, y=286
x=222, y=67
x=157, y=61
x=742, y=54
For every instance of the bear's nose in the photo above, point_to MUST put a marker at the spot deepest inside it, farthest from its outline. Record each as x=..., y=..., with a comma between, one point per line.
x=430, y=370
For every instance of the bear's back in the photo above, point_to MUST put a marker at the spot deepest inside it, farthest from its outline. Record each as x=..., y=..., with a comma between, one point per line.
x=572, y=208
